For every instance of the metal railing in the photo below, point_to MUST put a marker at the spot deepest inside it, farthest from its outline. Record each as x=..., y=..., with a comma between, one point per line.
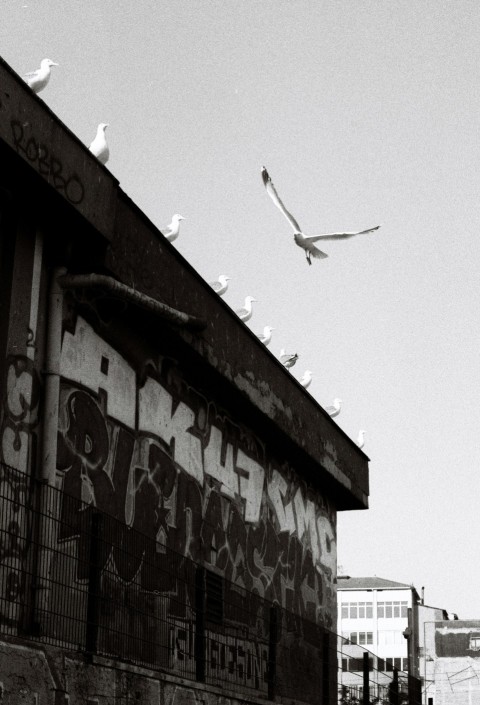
x=74, y=577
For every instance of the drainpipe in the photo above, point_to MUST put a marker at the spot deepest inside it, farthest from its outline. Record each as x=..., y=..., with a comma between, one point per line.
x=47, y=497
x=48, y=464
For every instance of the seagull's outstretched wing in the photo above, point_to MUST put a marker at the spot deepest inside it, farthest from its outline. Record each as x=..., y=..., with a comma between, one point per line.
x=339, y=236
x=272, y=192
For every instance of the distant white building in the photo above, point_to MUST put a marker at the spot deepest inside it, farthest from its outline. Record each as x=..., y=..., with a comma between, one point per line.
x=390, y=620
x=380, y=616
x=373, y=612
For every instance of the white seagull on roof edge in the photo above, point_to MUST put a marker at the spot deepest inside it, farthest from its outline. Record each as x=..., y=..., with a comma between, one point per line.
x=221, y=285
x=37, y=80
x=361, y=439
x=99, y=146
x=172, y=230
x=302, y=240
x=335, y=409
x=306, y=379
x=245, y=313
x=266, y=336
x=288, y=359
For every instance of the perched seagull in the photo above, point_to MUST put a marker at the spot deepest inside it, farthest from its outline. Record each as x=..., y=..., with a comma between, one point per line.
x=306, y=379
x=99, y=146
x=266, y=336
x=173, y=229
x=335, y=409
x=302, y=240
x=288, y=359
x=221, y=285
x=37, y=80
x=245, y=313
x=361, y=439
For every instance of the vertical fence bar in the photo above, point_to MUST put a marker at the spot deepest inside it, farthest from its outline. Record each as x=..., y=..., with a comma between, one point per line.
x=325, y=695
x=272, y=652
x=200, y=624
x=45, y=538
x=414, y=690
x=366, y=679
x=93, y=595
x=29, y=624
x=393, y=689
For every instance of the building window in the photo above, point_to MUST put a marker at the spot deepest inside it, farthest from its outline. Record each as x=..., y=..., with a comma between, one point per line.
x=392, y=610
x=360, y=637
x=357, y=610
x=474, y=643
x=389, y=664
x=386, y=637
x=355, y=665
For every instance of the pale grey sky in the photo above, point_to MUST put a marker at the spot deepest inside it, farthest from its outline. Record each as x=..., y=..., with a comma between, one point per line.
x=364, y=112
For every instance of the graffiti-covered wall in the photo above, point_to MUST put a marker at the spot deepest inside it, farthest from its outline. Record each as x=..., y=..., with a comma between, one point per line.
x=163, y=458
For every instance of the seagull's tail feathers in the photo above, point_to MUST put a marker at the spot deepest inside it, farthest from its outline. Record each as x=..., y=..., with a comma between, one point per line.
x=309, y=247
x=318, y=254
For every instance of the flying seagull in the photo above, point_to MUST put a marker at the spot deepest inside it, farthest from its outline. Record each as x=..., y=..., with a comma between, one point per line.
x=288, y=359
x=173, y=229
x=361, y=439
x=245, y=313
x=99, y=146
x=335, y=409
x=37, y=80
x=302, y=240
x=306, y=379
x=266, y=336
x=221, y=285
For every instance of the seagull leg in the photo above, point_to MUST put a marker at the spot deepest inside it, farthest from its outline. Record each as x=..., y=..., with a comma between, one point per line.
x=308, y=258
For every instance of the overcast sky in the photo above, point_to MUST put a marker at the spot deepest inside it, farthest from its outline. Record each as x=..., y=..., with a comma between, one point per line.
x=364, y=112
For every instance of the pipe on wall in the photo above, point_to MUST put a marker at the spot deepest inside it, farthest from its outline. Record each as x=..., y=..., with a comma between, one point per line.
x=126, y=293
x=52, y=378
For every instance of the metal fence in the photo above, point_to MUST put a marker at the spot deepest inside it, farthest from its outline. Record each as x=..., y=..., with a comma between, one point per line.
x=365, y=678
x=74, y=577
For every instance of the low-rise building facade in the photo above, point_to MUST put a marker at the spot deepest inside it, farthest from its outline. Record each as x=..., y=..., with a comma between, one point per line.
x=168, y=491
x=379, y=615
x=452, y=662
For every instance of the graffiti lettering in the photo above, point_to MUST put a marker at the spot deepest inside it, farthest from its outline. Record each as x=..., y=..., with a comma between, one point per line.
x=47, y=164
x=81, y=362
x=230, y=658
x=159, y=415
x=160, y=459
x=20, y=404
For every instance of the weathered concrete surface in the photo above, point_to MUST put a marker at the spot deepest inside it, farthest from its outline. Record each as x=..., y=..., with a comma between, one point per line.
x=45, y=676
x=36, y=134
